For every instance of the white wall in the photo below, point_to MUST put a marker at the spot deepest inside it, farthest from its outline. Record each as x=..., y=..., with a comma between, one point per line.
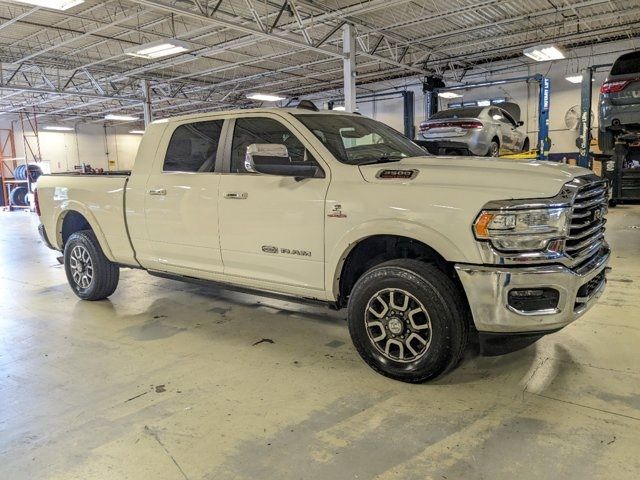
x=564, y=94
x=111, y=148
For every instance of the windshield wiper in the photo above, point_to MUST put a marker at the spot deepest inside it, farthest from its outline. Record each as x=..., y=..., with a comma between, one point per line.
x=383, y=159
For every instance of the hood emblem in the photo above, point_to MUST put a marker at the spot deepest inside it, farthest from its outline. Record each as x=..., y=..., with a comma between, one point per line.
x=401, y=174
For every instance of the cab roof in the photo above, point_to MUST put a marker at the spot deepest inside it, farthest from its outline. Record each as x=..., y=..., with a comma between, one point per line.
x=243, y=111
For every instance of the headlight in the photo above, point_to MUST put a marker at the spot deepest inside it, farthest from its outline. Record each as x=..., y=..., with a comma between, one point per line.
x=522, y=229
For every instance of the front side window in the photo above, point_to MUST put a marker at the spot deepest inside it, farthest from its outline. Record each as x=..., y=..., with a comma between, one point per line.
x=265, y=130
x=358, y=140
x=193, y=147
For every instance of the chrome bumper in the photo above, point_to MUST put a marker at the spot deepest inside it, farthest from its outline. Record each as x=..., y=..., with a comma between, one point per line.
x=488, y=287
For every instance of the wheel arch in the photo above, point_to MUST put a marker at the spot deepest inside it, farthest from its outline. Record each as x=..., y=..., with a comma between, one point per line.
x=75, y=217
x=358, y=253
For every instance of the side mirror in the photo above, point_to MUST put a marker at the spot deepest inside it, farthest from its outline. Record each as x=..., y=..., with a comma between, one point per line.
x=273, y=159
x=520, y=123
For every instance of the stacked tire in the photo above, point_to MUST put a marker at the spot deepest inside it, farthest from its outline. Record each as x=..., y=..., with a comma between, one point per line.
x=18, y=196
x=32, y=171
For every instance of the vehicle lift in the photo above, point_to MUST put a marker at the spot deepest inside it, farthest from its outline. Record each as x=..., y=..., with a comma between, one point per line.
x=618, y=169
x=544, y=92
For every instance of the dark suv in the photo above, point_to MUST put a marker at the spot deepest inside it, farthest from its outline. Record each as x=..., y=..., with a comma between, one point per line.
x=620, y=101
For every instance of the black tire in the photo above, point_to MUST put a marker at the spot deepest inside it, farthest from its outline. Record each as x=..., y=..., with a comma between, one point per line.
x=34, y=172
x=104, y=273
x=606, y=141
x=494, y=149
x=525, y=145
x=19, y=196
x=446, y=312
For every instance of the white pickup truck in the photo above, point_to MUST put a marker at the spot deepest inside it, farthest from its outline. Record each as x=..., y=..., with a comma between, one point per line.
x=342, y=209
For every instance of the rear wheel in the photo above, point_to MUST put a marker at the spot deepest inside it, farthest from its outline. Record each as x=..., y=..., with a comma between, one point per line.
x=408, y=320
x=91, y=275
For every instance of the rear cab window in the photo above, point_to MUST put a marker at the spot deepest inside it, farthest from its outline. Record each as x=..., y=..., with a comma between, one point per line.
x=193, y=147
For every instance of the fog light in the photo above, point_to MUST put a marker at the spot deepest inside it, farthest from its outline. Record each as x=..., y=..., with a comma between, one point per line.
x=530, y=300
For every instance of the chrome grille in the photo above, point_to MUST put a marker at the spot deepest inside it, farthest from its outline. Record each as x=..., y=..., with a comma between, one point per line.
x=586, y=233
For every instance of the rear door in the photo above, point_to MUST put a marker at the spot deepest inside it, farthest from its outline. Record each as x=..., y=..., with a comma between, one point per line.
x=181, y=200
x=272, y=227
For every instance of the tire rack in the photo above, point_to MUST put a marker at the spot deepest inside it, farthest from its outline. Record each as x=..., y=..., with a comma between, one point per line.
x=8, y=164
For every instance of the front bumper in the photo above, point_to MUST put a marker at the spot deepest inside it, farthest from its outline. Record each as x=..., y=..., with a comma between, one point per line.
x=488, y=287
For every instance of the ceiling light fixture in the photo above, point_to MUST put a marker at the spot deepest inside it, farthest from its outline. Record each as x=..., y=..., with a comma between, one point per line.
x=136, y=132
x=58, y=128
x=53, y=4
x=544, y=53
x=574, y=78
x=483, y=103
x=123, y=118
x=339, y=109
x=160, y=48
x=449, y=95
x=265, y=97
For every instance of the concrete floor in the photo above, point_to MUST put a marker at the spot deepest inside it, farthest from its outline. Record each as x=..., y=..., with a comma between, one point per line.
x=172, y=381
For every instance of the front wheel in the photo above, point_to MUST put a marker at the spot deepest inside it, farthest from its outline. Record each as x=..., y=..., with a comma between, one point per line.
x=408, y=320
x=494, y=149
x=91, y=275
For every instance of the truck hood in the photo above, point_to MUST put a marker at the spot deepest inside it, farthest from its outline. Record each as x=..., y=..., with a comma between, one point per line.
x=508, y=179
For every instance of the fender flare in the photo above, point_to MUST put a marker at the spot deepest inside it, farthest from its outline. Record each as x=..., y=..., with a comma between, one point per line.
x=444, y=246
x=73, y=206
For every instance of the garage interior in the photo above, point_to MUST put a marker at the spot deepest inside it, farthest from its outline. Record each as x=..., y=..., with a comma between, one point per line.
x=171, y=380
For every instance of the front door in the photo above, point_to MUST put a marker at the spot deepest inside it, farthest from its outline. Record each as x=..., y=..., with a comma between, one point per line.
x=181, y=201
x=271, y=227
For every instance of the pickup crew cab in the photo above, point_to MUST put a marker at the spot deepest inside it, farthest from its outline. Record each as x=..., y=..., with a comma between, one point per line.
x=340, y=208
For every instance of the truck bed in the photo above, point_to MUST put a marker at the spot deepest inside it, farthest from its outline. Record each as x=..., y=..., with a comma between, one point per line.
x=99, y=198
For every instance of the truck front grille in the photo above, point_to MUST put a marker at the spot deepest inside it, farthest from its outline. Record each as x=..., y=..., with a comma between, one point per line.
x=586, y=233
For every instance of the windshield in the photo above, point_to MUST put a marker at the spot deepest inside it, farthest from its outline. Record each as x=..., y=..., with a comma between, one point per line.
x=357, y=140
x=458, y=113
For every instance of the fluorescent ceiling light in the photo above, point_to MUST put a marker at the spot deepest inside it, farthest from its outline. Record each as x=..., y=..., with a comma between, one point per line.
x=574, y=78
x=124, y=118
x=543, y=53
x=264, y=97
x=161, y=48
x=339, y=109
x=449, y=95
x=58, y=128
x=53, y=4
x=484, y=103
x=136, y=132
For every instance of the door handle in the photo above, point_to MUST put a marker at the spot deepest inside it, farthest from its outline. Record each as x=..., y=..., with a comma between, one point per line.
x=157, y=191
x=236, y=195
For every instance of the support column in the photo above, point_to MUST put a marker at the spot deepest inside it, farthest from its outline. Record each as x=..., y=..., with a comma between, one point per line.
x=585, y=117
x=146, y=91
x=349, y=67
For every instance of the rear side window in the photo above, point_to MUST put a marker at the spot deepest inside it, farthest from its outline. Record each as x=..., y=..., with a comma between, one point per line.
x=628, y=63
x=193, y=147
